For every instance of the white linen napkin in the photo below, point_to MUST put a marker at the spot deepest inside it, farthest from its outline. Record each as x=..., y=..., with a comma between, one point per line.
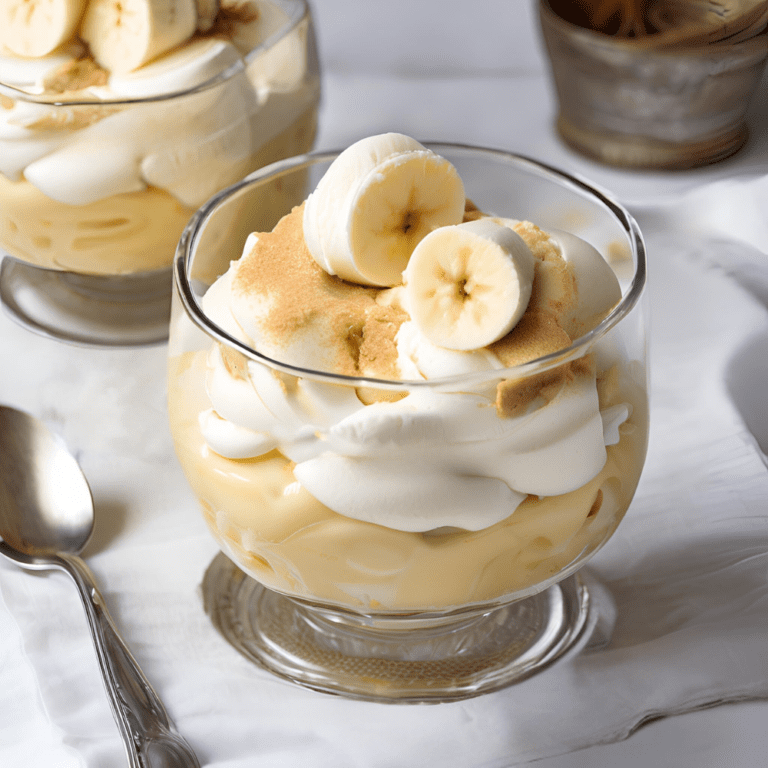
x=687, y=569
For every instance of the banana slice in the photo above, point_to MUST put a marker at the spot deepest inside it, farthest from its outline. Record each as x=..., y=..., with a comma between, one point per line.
x=377, y=200
x=35, y=28
x=123, y=36
x=467, y=285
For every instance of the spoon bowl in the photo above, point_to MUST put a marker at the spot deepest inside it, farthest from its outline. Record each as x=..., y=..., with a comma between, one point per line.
x=46, y=518
x=47, y=507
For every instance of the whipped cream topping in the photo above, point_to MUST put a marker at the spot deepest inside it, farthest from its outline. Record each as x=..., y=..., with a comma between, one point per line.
x=190, y=145
x=428, y=459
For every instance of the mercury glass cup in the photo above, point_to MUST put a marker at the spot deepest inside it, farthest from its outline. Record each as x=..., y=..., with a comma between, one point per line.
x=95, y=192
x=674, y=99
x=366, y=611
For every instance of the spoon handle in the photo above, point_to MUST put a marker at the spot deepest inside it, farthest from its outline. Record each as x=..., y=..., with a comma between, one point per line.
x=150, y=738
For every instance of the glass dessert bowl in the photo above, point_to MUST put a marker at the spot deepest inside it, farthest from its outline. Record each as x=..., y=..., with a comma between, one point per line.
x=413, y=535
x=101, y=168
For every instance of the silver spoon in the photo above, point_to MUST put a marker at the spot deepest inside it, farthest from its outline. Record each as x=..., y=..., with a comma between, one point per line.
x=46, y=518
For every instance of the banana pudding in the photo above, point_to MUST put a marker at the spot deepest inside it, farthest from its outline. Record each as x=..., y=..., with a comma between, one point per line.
x=404, y=402
x=118, y=120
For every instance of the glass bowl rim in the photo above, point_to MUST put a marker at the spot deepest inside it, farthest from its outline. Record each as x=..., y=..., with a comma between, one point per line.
x=297, y=11
x=577, y=348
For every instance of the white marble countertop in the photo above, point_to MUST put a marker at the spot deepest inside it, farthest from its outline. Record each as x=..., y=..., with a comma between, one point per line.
x=472, y=73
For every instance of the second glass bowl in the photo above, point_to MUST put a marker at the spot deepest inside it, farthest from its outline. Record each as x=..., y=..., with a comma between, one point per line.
x=95, y=192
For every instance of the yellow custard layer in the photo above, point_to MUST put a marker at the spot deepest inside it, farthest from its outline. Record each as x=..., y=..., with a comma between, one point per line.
x=119, y=235
x=287, y=540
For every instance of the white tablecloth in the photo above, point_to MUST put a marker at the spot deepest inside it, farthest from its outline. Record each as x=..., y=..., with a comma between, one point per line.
x=687, y=567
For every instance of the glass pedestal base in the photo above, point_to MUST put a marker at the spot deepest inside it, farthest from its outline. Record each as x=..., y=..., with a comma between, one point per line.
x=90, y=310
x=405, y=658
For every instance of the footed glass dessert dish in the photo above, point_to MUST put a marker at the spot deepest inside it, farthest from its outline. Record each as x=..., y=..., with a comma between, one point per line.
x=102, y=164
x=403, y=521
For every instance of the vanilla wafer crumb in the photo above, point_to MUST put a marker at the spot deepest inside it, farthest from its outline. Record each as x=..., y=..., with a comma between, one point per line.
x=281, y=269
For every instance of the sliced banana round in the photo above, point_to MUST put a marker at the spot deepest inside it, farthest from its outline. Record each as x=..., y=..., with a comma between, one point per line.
x=123, y=36
x=469, y=284
x=375, y=203
x=35, y=28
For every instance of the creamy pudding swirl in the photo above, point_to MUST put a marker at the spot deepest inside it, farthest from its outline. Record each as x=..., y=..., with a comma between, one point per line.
x=124, y=164
x=388, y=272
